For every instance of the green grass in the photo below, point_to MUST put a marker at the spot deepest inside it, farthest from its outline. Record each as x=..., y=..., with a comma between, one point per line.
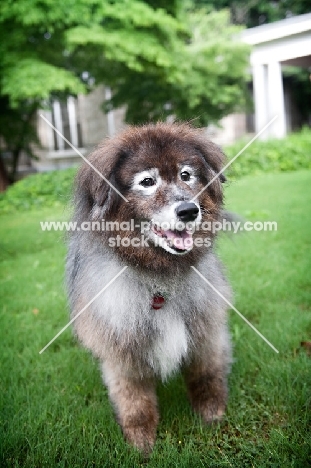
x=54, y=408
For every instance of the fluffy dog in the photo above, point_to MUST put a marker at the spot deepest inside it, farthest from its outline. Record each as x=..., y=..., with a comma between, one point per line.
x=158, y=316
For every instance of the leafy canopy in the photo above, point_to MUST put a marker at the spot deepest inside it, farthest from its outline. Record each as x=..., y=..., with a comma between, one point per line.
x=158, y=61
x=41, y=42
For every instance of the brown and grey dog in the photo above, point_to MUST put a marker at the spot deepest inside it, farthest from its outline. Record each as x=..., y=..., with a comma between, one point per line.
x=159, y=315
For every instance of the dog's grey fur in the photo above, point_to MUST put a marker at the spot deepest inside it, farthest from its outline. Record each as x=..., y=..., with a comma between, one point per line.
x=134, y=343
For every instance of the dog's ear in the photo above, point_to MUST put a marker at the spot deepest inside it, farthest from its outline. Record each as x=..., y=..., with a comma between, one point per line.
x=106, y=200
x=222, y=178
x=96, y=179
x=214, y=159
x=213, y=156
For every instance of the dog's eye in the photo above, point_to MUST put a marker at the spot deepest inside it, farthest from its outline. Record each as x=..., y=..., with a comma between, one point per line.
x=185, y=176
x=147, y=182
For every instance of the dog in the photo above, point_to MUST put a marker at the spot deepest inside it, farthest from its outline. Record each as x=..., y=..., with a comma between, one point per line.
x=158, y=316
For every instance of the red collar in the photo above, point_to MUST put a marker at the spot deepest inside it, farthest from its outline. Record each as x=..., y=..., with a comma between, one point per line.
x=157, y=301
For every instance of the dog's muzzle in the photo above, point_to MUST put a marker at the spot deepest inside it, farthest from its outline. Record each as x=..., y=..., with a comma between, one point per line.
x=177, y=237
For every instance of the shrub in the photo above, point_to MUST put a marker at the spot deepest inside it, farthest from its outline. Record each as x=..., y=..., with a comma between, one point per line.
x=289, y=154
x=38, y=190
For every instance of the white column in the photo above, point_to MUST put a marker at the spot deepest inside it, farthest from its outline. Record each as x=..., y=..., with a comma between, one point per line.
x=110, y=115
x=58, y=124
x=276, y=100
x=46, y=133
x=261, y=99
x=71, y=106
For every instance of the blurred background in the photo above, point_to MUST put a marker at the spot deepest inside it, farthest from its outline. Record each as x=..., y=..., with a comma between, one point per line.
x=91, y=67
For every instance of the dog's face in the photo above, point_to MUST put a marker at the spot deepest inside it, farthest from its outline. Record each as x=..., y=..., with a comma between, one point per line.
x=171, y=216
x=160, y=169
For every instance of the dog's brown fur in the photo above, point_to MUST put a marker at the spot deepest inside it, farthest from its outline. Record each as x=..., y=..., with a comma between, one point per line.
x=121, y=329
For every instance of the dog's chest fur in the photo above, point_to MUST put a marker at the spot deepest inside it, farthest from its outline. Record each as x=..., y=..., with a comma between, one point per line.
x=127, y=308
x=170, y=346
x=160, y=339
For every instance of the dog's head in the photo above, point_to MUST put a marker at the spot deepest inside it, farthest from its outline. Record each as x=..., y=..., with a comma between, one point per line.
x=166, y=174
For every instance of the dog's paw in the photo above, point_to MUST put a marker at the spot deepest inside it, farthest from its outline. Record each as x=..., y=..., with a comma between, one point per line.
x=141, y=438
x=208, y=396
x=211, y=411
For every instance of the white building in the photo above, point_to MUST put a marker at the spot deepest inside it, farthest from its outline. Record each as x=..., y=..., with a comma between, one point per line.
x=274, y=45
x=83, y=124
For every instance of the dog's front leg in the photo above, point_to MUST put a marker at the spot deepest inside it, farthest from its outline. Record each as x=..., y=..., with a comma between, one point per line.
x=206, y=380
x=135, y=403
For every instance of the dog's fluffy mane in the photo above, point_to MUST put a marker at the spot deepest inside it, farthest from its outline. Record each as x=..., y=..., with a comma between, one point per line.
x=95, y=199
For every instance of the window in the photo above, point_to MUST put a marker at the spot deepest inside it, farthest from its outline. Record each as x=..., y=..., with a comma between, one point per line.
x=65, y=118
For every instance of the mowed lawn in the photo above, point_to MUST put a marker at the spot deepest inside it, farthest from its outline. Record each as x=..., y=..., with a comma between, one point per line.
x=54, y=408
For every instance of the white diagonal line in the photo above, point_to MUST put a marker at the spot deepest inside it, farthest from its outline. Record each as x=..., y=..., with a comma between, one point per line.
x=235, y=157
x=235, y=310
x=84, y=158
x=82, y=310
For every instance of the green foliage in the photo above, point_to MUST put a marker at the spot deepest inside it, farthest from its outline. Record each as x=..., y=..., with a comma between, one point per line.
x=38, y=190
x=289, y=154
x=159, y=60
x=204, y=81
x=43, y=43
x=32, y=79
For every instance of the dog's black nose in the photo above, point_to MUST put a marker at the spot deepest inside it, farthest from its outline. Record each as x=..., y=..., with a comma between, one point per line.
x=187, y=212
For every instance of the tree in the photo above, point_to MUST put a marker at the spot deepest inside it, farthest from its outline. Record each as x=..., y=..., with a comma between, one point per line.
x=207, y=78
x=256, y=12
x=159, y=60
